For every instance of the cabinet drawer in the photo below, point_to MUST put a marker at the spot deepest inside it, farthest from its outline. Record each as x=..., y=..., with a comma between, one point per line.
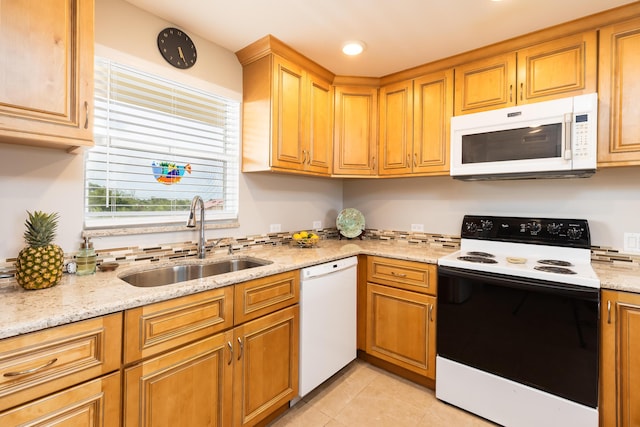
x=95, y=403
x=36, y=364
x=258, y=297
x=410, y=275
x=158, y=327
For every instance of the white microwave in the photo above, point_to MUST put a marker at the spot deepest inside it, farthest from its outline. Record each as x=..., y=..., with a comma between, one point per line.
x=550, y=139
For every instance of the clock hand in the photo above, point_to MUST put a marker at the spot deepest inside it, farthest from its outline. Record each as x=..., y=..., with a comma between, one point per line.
x=181, y=54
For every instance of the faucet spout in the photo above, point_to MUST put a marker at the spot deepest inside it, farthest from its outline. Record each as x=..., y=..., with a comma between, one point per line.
x=191, y=222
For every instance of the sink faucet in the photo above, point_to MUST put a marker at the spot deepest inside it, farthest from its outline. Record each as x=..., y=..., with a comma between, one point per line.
x=191, y=222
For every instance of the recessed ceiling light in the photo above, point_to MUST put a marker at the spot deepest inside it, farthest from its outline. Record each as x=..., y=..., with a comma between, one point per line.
x=353, y=48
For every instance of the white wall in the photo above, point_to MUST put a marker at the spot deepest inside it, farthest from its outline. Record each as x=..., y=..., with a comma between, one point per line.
x=610, y=200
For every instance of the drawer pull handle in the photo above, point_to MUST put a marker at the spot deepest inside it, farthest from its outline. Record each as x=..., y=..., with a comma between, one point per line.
x=241, y=348
x=32, y=370
x=86, y=114
x=230, y=352
x=393, y=273
x=609, y=311
x=431, y=312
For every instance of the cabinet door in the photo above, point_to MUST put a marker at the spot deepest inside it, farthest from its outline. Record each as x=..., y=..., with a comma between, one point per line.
x=485, y=84
x=432, y=111
x=355, y=138
x=287, y=121
x=396, y=125
x=401, y=328
x=46, y=95
x=318, y=150
x=266, y=365
x=190, y=386
x=95, y=403
x=563, y=67
x=620, y=361
x=619, y=92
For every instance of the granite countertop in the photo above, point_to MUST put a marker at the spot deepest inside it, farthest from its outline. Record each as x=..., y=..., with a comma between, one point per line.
x=82, y=297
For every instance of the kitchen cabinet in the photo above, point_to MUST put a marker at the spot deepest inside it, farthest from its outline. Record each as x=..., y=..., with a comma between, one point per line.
x=619, y=91
x=355, y=131
x=287, y=111
x=549, y=70
x=401, y=313
x=188, y=362
x=414, y=125
x=67, y=372
x=620, y=359
x=46, y=96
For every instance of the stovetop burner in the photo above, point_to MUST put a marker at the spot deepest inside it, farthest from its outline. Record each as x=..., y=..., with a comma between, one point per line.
x=481, y=254
x=556, y=262
x=478, y=259
x=554, y=269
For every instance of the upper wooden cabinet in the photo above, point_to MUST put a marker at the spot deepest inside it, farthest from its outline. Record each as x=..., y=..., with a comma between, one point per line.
x=287, y=110
x=619, y=91
x=355, y=131
x=554, y=69
x=620, y=353
x=46, y=95
x=414, y=125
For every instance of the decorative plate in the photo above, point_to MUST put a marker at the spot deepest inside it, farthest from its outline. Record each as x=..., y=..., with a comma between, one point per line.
x=350, y=223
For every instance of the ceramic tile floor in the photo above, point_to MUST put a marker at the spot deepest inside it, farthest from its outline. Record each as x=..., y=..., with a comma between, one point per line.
x=364, y=395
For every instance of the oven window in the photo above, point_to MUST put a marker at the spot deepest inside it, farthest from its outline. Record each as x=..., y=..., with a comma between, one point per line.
x=514, y=144
x=532, y=336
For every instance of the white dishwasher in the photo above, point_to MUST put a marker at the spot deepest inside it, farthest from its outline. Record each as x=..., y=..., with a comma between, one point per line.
x=327, y=321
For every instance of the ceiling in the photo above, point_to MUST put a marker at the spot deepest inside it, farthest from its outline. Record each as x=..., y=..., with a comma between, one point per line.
x=398, y=34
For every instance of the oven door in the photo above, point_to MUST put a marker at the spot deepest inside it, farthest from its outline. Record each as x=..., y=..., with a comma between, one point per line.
x=541, y=334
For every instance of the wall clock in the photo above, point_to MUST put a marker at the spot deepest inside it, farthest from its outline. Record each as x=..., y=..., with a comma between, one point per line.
x=177, y=48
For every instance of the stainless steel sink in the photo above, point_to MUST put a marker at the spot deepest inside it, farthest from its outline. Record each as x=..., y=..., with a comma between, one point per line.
x=181, y=273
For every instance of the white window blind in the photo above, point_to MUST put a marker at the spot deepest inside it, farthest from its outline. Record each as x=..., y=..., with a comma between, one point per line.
x=158, y=143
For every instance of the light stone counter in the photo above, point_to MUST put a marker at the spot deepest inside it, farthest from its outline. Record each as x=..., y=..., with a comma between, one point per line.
x=82, y=297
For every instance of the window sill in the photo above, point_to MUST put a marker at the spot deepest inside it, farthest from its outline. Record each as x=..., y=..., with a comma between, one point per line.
x=127, y=231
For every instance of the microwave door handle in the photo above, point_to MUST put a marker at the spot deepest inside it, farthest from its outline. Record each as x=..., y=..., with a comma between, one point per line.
x=566, y=140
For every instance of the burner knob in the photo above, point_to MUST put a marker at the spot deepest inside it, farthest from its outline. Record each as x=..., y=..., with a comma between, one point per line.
x=554, y=228
x=574, y=233
x=487, y=224
x=471, y=227
x=535, y=227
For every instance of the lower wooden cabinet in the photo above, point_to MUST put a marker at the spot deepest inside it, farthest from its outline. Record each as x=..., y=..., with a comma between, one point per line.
x=400, y=318
x=620, y=359
x=401, y=328
x=94, y=403
x=265, y=373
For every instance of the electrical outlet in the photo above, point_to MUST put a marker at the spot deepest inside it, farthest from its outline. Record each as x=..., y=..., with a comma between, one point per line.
x=632, y=242
x=317, y=225
x=275, y=228
x=417, y=227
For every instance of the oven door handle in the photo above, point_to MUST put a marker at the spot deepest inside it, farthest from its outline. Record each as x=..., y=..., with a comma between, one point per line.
x=524, y=283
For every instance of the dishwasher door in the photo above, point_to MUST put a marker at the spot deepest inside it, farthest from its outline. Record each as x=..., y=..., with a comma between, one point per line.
x=327, y=321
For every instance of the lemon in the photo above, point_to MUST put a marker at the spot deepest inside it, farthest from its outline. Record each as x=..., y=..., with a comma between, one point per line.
x=304, y=234
x=297, y=236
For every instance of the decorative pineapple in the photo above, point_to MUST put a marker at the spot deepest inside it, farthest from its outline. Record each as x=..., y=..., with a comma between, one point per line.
x=39, y=265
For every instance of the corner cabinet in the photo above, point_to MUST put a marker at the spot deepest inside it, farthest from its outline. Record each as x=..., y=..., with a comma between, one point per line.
x=620, y=357
x=401, y=315
x=46, y=96
x=555, y=69
x=414, y=126
x=287, y=111
x=355, y=131
x=619, y=91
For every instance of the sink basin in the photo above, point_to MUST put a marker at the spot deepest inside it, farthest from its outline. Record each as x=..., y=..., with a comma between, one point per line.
x=181, y=273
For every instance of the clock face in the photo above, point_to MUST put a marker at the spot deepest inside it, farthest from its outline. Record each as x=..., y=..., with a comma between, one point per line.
x=177, y=48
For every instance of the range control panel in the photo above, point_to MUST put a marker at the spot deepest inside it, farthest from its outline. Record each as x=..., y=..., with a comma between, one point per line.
x=544, y=231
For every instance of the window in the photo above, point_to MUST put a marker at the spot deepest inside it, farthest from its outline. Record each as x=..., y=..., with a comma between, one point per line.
x=158, y=144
